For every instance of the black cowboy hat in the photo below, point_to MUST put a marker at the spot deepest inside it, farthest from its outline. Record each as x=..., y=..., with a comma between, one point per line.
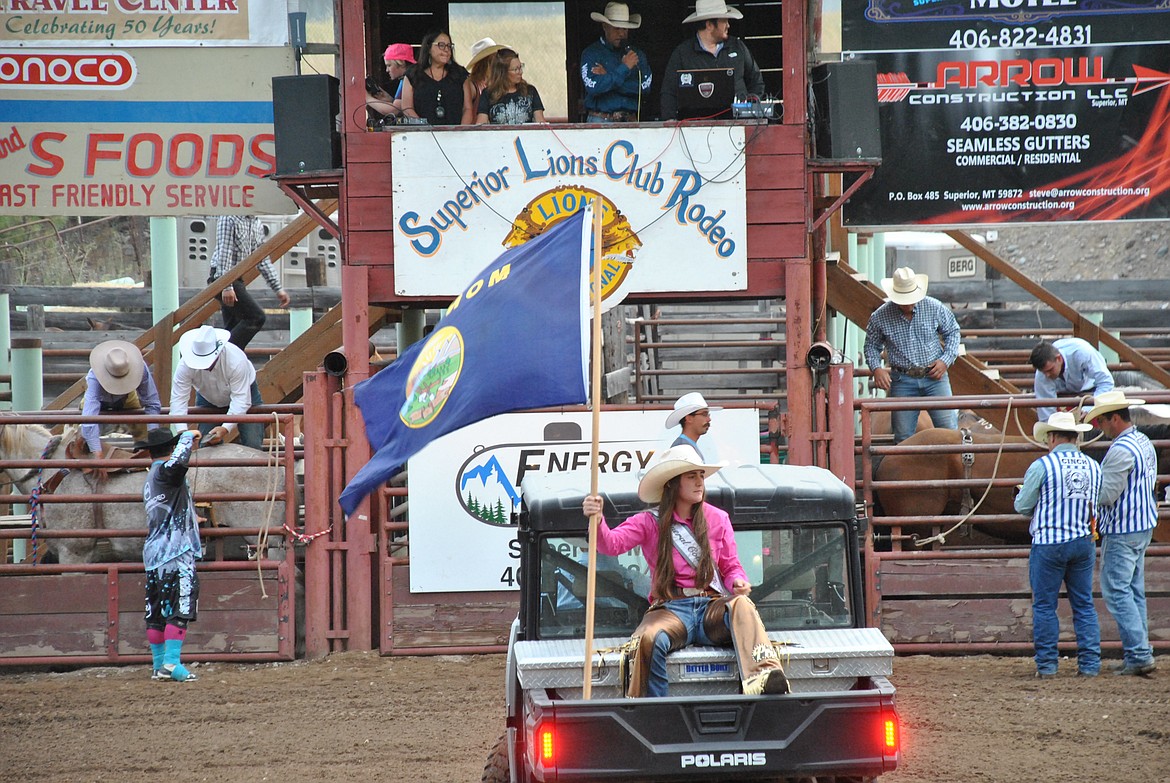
x=160, y=438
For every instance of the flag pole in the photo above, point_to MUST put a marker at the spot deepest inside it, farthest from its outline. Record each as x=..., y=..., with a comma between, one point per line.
x=595, y=397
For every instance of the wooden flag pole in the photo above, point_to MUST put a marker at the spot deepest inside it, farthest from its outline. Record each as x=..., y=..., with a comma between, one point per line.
x=595, y=396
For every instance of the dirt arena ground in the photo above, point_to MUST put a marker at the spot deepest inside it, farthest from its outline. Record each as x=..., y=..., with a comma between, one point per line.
x=359, y=717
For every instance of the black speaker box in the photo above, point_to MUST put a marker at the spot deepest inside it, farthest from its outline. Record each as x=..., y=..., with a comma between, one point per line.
x=845, y=110
x=304, y=112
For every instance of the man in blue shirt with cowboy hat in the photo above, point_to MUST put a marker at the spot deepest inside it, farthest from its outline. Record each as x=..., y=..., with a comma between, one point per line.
x=920, y=337
x=617, y=77
x=1128, y=514
x=1060, y=493
x=694, y=414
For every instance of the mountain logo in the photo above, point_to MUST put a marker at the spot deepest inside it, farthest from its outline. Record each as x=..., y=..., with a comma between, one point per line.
x=486, y=492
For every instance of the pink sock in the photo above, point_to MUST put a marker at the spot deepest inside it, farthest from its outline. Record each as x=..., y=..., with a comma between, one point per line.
x=154, y=636
x=175, y=632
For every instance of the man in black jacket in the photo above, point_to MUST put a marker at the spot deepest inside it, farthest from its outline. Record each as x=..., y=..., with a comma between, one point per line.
x=711, y=46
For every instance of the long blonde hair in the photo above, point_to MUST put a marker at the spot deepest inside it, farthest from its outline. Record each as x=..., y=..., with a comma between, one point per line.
x=664, y=586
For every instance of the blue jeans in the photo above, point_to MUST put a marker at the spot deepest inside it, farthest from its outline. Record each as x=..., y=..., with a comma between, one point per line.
x=1123, y=586
x=251, y=433
x=690, y=611
x=904, y=422
x=1048, y=566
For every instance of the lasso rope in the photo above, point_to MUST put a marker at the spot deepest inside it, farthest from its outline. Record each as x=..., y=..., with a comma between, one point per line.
x=941, y=538
x=34, y=497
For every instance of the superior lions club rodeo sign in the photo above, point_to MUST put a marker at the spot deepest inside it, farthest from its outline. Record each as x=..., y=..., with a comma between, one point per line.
x=674, y=203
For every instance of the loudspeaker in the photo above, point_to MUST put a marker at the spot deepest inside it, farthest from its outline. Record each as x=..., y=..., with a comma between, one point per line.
x=304, y=113
x=845, y=110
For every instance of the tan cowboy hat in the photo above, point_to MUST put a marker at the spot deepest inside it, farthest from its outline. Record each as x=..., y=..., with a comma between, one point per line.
x=712, y=9
x=618, y=15
x=1061, y=421
x=686, y=405
x=484, y=47
x=199, y=348
x=905, y=287
x=667, y=464
x=118, y=365
x=1107, y=402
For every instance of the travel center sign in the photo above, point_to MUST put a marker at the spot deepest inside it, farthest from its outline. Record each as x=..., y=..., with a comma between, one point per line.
x=673, y=203
x=100, y=114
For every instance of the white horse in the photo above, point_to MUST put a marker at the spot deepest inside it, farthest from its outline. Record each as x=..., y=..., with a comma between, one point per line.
x=29, y=441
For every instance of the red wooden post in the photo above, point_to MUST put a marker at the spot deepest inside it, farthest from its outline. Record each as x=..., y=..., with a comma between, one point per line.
x=359, y=527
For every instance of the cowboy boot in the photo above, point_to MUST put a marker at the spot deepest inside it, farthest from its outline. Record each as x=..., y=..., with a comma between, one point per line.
x=735, y=619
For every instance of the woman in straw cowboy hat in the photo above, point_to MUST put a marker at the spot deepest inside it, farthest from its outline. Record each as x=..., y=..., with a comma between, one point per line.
x=699, y=589
x=479, y=67
x=920, y=338
x=1060, y=494
x=118, y=381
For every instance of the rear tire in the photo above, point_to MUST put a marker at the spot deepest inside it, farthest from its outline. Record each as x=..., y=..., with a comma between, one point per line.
x=496, y=769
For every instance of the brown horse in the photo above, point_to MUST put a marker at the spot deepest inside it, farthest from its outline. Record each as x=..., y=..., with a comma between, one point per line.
x=936, y=501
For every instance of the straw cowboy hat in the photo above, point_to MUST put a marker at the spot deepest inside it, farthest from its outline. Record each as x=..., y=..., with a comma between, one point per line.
x=905, y=287
x=667, y=464
x=1061, y=421
x=118, y=366
x=399, y=51
x=200, y=347
x=484, y=47
x=618, y=15
x=686, y=405
x=712, y=9
x=1107, y=402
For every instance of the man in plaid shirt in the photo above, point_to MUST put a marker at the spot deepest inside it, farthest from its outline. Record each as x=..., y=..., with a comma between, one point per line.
x=920, y=337
x=236, y=238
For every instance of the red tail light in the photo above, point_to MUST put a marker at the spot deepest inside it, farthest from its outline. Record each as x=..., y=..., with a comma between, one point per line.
x=891, y=739
x=546, y=746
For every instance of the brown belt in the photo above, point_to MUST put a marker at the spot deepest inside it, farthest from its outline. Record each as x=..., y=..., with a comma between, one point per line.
x=913, y=372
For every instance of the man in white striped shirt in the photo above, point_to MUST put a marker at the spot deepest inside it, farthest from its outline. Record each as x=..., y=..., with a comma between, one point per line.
x=1128, y=513
x=1060, y=494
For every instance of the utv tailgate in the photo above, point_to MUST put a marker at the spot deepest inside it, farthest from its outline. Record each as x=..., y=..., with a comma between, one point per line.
x=713, y=738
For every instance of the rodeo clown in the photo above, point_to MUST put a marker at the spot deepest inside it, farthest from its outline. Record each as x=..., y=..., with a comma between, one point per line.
x=171, y=549
x=699, y=589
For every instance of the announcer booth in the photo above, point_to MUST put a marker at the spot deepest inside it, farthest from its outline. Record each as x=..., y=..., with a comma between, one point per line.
x=719, y=208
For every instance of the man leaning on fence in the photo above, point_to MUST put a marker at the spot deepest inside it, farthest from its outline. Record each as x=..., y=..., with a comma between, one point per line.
x=920, y=337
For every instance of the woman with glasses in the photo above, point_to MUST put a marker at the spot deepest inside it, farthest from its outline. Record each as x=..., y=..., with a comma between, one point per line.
x=434, y=86
x=508, y=99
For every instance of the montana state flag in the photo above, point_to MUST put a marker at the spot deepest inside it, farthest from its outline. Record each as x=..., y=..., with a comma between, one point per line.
x=516, y=338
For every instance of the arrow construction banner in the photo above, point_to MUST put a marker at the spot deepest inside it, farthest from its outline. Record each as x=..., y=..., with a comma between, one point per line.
x=1015, y=112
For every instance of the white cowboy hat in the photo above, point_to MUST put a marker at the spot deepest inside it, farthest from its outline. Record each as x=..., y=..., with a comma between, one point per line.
x=200, y=347
x=667, y=464
x=686, y=405
x=1061, y=421
x=712, y=9
x=1107, y=402
x=482, y=48
x=618, y=15
x=118, y=366
x=905, y=287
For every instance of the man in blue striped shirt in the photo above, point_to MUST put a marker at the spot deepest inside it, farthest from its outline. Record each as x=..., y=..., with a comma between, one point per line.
x=1060, y=493
x=920, y=337
x=1128, y=514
